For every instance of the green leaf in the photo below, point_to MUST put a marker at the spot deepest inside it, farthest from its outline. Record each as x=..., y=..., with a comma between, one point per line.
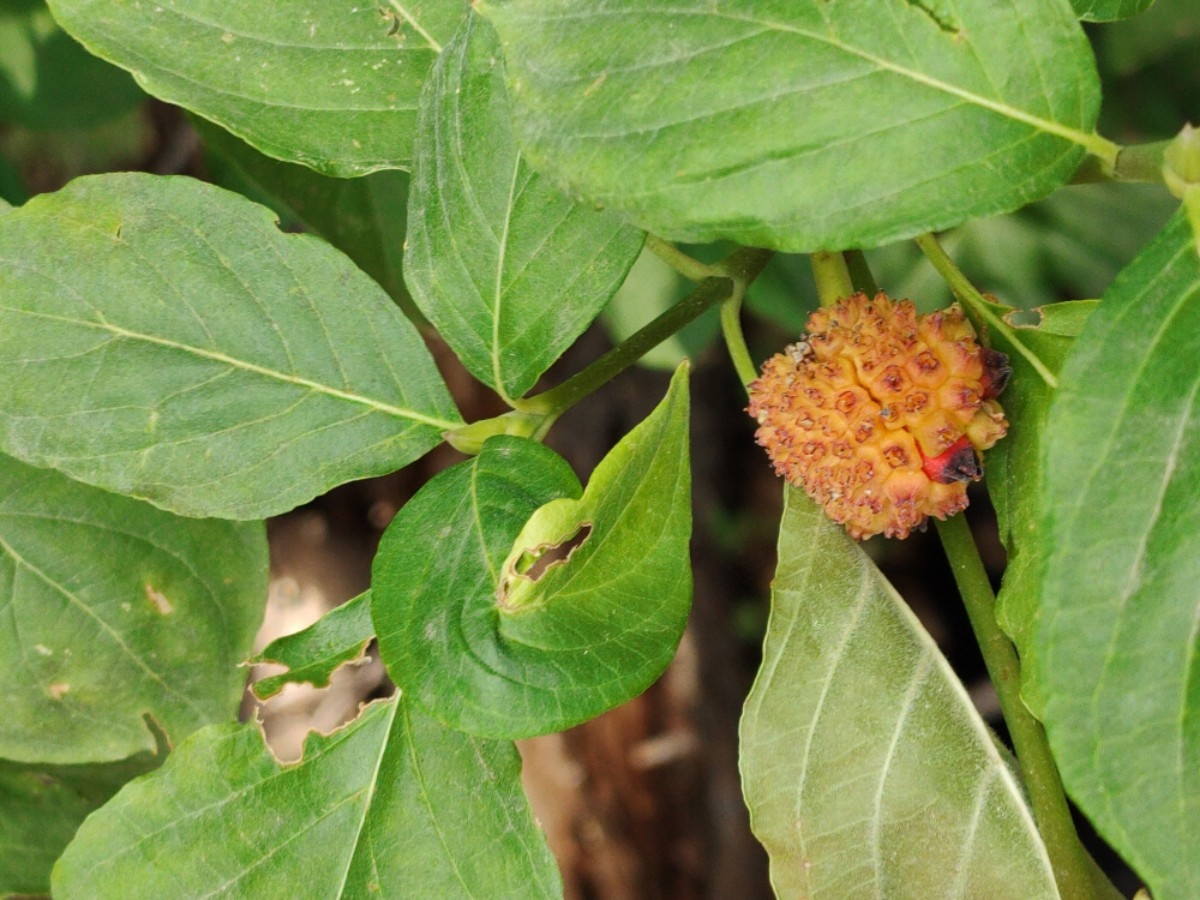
x=492, y=642
x=507, y=269
x=1118, y=637
x=41, y=807
x=1109, y=10
x=805, y=125
x=339, y=637
x=1014, y=471
x=333, y=86
x=867, y=771
x=392, y=805
x=1071, y=244
x=161, y=338
x=48, y=81
x=1165, y=36
x=115, y=611
x=363, y=217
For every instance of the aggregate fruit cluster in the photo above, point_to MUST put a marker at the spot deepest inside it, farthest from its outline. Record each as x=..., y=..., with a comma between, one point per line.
x=879, y=414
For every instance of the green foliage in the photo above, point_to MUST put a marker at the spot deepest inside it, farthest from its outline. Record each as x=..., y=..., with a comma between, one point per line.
x=1108, y=10
x=214, y=348
x=41, y=808
x=857, y=724
x=148, y=615
x=801, y=126
x=1120, y=543
x=331, y=86
x=339, y=637
x=48, y=81
x=224, y=818
x=363, y=217
x=490, y=239
x=172, y=359
x=523, y=648
x=1015, y=470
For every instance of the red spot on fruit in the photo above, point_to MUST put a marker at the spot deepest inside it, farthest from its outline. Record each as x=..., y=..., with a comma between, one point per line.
x=957, y=462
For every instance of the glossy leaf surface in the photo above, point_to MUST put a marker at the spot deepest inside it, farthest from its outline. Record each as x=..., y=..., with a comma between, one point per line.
x=114, y=610
x=494, y=639
x=803, y=125
x=392, y=805
x=1014, y=471
x=339, y=637
x=867, y=771
x=1120, y=628
x=333, y=86
x=508, y=269
x=162, y=338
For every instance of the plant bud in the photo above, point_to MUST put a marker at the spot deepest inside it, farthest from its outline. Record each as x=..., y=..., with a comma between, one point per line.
x=1181, y=162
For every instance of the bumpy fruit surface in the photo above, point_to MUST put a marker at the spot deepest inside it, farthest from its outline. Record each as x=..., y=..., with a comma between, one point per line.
x=879, y=414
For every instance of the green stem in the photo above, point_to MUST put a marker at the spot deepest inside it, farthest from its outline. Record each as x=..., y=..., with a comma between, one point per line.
x=735, y=341
x=962, y=288
x=742, y=270
x=860, y=272
x=832, y=276
x=737, y=271
x=1073, y=869
x=690, y=268
x=1137, y=162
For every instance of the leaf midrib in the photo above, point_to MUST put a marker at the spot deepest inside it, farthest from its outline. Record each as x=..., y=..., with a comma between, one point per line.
x=1090, y=141
x=247, y=366
x=370, y=791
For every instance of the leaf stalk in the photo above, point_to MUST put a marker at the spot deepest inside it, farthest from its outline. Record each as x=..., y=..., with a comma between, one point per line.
x=736, y=272
x=1133, y=163
x=832, y=276
x=970, y=296
x=687, y=266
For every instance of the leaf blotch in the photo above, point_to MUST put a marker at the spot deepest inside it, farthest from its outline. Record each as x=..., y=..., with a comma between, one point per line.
x=160, y=601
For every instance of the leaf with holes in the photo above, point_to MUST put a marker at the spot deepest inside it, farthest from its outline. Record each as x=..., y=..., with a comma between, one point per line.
x=339, y=637
x=507, y=605
x=376, y=808
x=161, y=338
x=116, y=611
x=1119, y=632
x=804, y=125
x=508, y=269
x=866, y=768
x=333, y=86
